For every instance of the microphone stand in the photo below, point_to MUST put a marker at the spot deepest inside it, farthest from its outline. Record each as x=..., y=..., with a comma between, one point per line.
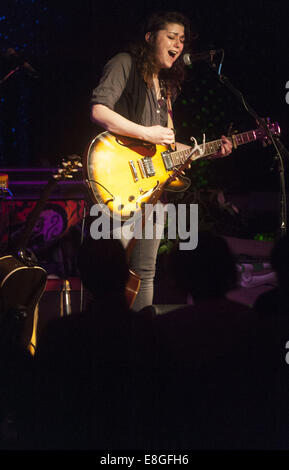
x=12, y=72
x=22, y=66
x=281, y=151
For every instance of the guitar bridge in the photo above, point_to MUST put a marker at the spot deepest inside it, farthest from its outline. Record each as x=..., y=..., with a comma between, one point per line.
x=133, y=169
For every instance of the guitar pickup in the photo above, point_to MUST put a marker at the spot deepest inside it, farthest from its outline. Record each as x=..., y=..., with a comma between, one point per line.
x=133, y=170
x=148, y=166
x=167, y=159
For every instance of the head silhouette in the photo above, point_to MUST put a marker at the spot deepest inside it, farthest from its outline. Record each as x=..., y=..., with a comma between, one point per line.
x=280, y=262
x=207, y=272
x=103, y=267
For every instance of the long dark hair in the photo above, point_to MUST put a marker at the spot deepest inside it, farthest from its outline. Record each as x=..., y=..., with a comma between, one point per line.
x=143, y=52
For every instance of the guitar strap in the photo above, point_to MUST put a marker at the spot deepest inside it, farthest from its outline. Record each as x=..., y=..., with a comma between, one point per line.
x=170, y=116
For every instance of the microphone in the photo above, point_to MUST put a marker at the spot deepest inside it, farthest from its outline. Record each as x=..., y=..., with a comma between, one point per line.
x=23, y=63
x=201, y=56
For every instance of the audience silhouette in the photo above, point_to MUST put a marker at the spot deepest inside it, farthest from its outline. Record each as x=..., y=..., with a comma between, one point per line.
x=276, y=301
x=225, y=387
x=210, y=375
x=92, y=385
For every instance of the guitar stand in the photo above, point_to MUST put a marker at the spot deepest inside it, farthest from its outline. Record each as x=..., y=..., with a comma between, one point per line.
x=65, y=294
x=65, y=299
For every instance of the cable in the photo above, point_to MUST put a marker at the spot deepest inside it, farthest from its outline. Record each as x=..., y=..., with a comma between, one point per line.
x=81, y=242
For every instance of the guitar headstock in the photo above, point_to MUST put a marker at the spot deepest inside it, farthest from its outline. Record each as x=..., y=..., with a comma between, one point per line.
x=261, y=134
x=69, y=167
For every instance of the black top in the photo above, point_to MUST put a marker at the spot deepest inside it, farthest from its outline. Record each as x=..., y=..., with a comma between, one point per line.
x=122, y=89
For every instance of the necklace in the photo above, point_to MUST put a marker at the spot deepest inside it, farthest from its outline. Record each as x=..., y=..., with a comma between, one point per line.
x=160, y=88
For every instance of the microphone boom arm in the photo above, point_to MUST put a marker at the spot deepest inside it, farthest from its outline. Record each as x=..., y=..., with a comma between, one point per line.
x=281, y=151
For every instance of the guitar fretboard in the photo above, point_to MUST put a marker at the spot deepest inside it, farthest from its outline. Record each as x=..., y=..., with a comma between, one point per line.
x=180, y=156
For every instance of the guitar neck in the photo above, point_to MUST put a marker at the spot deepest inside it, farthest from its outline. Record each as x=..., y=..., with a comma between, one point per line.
x=33, y=216
x=68, y=168
x=211, y=148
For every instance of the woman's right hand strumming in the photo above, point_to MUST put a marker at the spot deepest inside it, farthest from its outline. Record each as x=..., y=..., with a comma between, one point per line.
x=117, y=124
x=159, y=135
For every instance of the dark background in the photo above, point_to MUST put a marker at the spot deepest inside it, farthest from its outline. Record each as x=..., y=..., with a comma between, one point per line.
x=69, y=42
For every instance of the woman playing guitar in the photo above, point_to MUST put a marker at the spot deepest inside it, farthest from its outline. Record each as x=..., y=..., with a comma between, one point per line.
x=134, y=99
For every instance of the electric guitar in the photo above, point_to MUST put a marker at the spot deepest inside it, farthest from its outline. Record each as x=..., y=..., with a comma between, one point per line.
x=123, y=173
x=22, y=281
